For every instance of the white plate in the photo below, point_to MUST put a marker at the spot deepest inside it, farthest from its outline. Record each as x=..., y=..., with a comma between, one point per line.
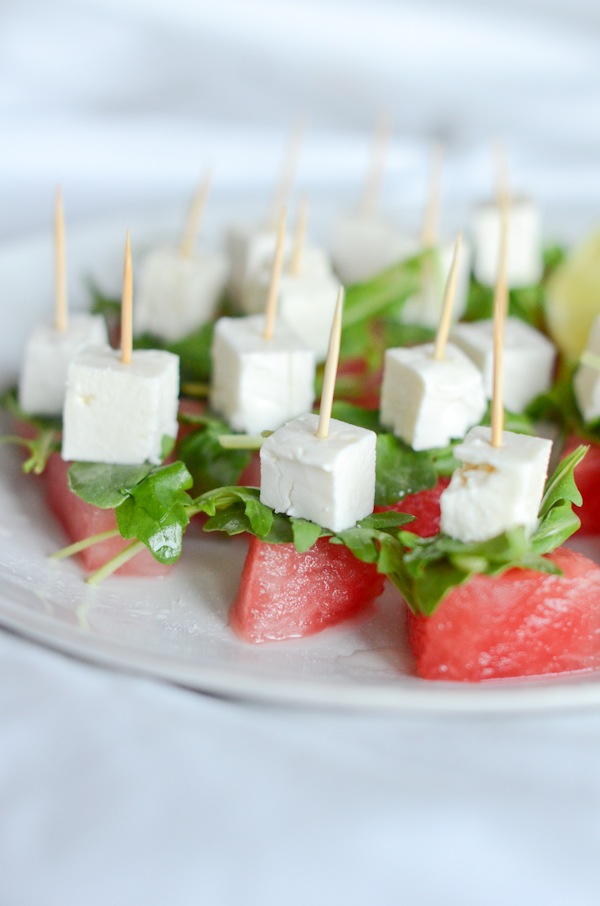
x=175, y=628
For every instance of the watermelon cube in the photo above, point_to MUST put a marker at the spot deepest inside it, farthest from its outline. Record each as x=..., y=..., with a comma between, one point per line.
x=81, y=520
x=521, y=623
x=285, y=595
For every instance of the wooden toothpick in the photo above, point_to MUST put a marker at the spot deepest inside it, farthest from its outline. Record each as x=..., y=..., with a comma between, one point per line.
x=61, y=306
x=449, y=293
x=273, y=297
x=501, y=177
x=431, y=217
x=500, y=309
x=127, y=306
x=194, y=218
x=331, y=365
x=288, y=174
x=299, y=237
x=373, y=186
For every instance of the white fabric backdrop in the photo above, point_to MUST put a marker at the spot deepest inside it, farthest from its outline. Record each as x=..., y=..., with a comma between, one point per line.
x=120, y=790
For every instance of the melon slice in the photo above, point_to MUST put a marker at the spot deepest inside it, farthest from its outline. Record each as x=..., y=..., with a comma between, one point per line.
x=521, y=623
x=285, y=595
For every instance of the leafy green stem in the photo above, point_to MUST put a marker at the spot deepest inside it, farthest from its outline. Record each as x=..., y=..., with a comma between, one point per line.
x=115, y=563
x=78, y=546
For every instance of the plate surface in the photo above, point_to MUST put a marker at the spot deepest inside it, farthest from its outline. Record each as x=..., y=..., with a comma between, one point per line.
x=175, y=628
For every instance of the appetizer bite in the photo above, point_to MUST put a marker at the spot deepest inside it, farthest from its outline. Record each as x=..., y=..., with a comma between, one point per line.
x=180, y=287
x=307, y=291
x=322, y=470
x=120, y=408
x=52, y=346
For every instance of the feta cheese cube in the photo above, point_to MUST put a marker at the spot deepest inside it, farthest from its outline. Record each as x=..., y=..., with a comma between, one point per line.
x=586, y=382
x=306, y=304
x=428, y=402
x=497, y=488
x=362, y=247
x=254, y=293
x=176, y=294
x=330, y=480
x=529, y=358
x=120, y=413
x=426, y=306
x=524, y=263
x=259, y=384
x=48, y=353
x=250, y=248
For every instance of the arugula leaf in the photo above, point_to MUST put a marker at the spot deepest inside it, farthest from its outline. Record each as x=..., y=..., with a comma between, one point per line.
x=304, y=533
x=151, y=502
x=557, y=521
x=210, y=464
x=105, y=485
x=234, y=510
x=156, y=511
x=356, y=415
x=400, y=470
x=527, y=302
x=46, y=437
x=370, y=304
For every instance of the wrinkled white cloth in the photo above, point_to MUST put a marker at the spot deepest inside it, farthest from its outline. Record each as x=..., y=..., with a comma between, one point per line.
x=122, y=790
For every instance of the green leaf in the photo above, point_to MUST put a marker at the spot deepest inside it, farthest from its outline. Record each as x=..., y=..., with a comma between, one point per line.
x=385, y=292
x=388, y=519
x=356, y=415
x=400, y=470
x=557, y=521
x=105, y=485
x=304, y=533
x=45, y=438
x=156, y=511
x=210, y=464
x=240, y=501
x=194, y=353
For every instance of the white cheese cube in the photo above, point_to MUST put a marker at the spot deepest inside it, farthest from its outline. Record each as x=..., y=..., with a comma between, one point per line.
x=253, y=295
x=250, y=248
x=529, y=358
x=586, y=382
x=177, y=294
x=428, y=403
x=330, y=480
x=306, y=304
x=259, y=384
x=362, y=247
x=426, y=306
x=524, y=264
x=48, y=353
x=120, y=413
x=497, y=488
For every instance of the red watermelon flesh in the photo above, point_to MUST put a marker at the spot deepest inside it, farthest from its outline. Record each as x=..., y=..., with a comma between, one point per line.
x=521, y=623
x=587, y=477
x=285, y=595
x=81, y=520
x=250, y=477
x=424, y=506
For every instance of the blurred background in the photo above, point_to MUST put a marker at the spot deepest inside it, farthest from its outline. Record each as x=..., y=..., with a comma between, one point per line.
x=125, y=102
